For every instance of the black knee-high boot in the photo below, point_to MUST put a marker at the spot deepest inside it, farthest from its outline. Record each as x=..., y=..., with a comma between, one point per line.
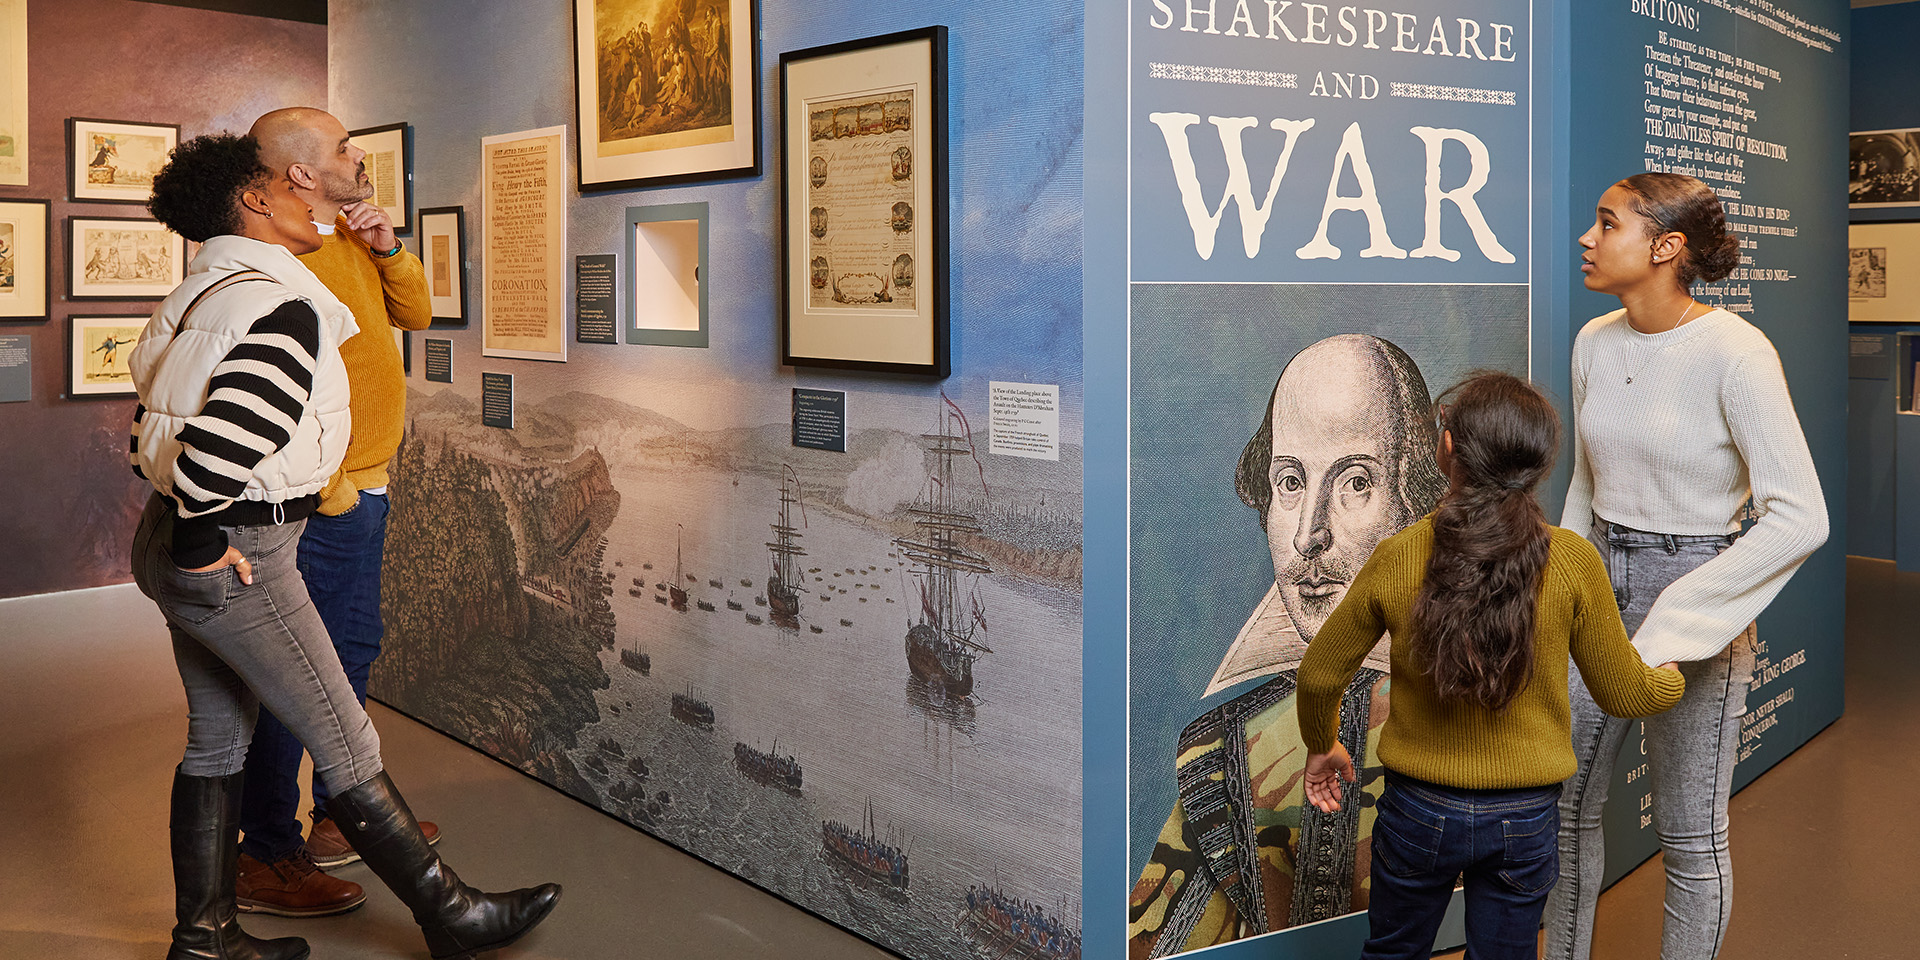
x=205, y=827
x=458, y=920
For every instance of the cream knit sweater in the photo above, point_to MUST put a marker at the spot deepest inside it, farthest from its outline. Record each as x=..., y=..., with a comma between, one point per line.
x=1705, y=420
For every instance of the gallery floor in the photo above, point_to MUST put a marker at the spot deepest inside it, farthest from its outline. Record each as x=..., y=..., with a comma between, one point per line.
x=92, y=718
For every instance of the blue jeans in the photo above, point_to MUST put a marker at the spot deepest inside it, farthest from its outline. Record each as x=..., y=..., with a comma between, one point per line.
x=1427, y=836
x=340, y=561
x=1690, y=753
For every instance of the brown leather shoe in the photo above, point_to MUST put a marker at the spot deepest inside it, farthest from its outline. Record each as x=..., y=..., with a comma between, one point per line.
x=293, y=887
x=330, y=849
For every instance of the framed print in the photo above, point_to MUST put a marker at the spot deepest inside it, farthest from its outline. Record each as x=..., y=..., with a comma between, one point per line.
x=523, y=245
x=113, y=161
x=389, y=164
x=1882, y=285
x=1883, y=169
x=443, y=249
x=122, y=258
x=13, y=92
x=863, y=198
x=25, y=236
x=97, y=349
x=666, y=267
x=666, y=93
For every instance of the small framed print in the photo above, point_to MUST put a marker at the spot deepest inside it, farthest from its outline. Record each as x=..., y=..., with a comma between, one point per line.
x=25, y=235
x=389, y=164
x=113, y=161
x=863, y=198
x=122, y=258
x=443, y=250
x=97, y=350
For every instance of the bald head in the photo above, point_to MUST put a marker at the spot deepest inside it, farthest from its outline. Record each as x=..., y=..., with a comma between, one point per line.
x=310, y=147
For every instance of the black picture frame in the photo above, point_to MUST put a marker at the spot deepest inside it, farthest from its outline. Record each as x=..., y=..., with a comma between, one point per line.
x=397, y=137
x=80, y=287
x=26, y=263
x=828, y=93
x=79, y=353
x=636, y=163
x=84, y=145
x=449, y=307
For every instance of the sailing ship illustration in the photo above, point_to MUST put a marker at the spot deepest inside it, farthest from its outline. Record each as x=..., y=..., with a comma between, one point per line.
x=768, y=766
x=1011, y=927
x=783, y=585
x=692, y=711
x=944, y=642
x=860, y=850
x=676, y=594
x=636, y=661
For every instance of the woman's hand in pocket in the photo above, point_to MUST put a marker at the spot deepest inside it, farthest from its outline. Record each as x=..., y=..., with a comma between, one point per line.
x=233, y=559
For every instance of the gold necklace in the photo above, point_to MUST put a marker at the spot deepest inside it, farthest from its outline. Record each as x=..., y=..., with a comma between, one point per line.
x=1656, y=351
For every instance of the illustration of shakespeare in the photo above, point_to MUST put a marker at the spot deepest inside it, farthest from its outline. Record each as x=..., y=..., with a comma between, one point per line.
x=1342, y=459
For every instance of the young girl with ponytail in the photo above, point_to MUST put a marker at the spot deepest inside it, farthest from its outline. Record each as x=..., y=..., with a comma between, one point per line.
x=1681, y=415
x=1484, y=601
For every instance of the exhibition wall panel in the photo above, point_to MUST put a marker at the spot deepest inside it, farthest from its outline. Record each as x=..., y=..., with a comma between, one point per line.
x=1750, y=97
x=604, y=595
x=72, y=500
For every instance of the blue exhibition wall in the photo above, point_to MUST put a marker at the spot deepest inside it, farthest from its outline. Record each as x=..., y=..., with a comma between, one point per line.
x=1750, y=97
x=532, y=571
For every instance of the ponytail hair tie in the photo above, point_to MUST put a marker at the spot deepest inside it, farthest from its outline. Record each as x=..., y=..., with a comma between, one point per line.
x=1514, y=485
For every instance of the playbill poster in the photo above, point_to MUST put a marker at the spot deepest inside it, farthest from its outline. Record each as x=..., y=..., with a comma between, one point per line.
x=13, y=91
x=524, y=245
x=860, y=191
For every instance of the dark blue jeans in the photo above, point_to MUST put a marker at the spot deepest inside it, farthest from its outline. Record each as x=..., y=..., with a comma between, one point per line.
x=1504, y=843
x=340, y=561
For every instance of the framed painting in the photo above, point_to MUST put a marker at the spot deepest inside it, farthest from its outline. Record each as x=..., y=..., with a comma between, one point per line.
x=863, y=199
x=389, y=164
x=443, y=249
x=97, y=349
x=25, y=236
x=113, y=161
x=122, y=258
x=1883, y=169
x=666, y=93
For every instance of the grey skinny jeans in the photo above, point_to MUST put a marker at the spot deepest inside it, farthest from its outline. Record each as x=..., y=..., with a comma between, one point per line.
x=238, y=646
x=1691, y=751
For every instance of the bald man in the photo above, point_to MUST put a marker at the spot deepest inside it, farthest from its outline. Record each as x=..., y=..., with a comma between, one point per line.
x=364, y=265
x=1343, y=459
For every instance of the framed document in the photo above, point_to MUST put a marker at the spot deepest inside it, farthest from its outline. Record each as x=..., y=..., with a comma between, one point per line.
x=1882, y=285
x=863, y=199
x=523, y=246
x=443, y=249
x=13, y=92
x=389, y=163
x=666, y=274
x=122, y=258
x=113, y=161
x=25, y=236
x=97, y=349
x=666, y=93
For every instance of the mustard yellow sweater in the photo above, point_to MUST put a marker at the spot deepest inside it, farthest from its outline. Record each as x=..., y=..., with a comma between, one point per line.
x=383, y=294
x=1529, y=742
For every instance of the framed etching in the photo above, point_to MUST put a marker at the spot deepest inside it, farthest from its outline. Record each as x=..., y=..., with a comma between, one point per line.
x=666, y=268
x=113, y=161
x=1866, y=272
x=863, y=199
x=25, y=236
x=443, y=250
x=122, y=258
x=1882, y=285
x=13, y=92
x=666, y=92
x=389, y=163
x=97, y=349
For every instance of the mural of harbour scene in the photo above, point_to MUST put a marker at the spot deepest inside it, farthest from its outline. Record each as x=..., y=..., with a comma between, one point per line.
x=852, y=679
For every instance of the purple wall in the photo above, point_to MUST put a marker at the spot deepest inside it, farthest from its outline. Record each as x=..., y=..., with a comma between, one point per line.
x=70, y=501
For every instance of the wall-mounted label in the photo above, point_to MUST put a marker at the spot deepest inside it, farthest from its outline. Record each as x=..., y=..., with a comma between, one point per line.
x=1025, y=419
x=594, y=314
x=496, y=400
x=16, y=369
x=820, y=420
x=439, y=361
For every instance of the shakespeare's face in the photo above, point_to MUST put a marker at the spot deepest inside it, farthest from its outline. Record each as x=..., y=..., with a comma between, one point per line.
x=1332, y=475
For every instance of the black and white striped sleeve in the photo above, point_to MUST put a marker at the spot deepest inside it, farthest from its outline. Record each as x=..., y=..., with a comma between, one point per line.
x=255, y=399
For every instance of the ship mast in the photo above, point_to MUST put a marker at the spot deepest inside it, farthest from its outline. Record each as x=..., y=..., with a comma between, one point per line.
x=938, y=548
x=783, y=550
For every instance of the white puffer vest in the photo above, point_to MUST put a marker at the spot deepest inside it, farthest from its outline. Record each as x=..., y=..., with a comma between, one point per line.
x=174, y=360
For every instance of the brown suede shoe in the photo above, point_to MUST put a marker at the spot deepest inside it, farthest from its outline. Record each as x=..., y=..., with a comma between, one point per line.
x=330, y=849
x=293, y=887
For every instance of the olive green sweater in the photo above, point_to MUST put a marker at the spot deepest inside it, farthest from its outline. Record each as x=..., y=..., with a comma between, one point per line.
x=1529, y=742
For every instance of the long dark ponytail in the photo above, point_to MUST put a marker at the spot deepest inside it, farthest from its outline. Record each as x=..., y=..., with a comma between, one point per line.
x=1474, y=617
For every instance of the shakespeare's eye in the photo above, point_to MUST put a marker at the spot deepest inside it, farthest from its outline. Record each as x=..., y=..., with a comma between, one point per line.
x=1290, y=483
x=1360, y=483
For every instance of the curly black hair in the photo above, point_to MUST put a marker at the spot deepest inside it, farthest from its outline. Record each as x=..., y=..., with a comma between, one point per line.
x=197, y=194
